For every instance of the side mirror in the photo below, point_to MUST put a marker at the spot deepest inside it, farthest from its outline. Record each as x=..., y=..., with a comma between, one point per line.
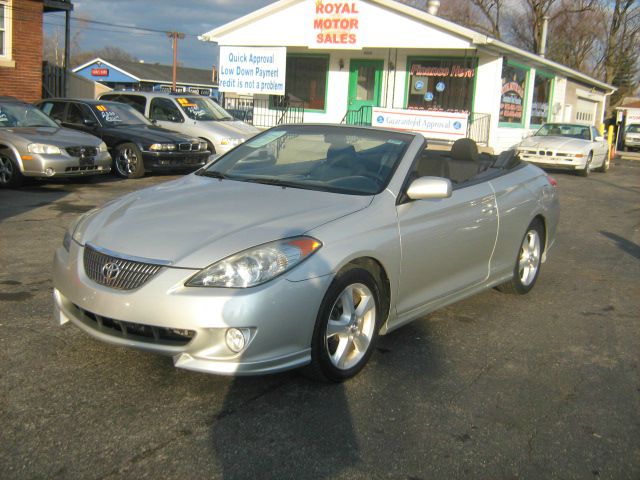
x=58, y=121
x=175, y=119
x=89, y=123
x=429, y=187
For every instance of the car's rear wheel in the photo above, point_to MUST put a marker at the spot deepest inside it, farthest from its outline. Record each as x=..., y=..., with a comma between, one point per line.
x=587, y=166
x=527, y=268
x=10, y=175
x=346, y=326
x=128, y=162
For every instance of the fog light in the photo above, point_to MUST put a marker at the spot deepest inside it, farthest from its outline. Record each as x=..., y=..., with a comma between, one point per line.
x=49, y=172
x=235, y=339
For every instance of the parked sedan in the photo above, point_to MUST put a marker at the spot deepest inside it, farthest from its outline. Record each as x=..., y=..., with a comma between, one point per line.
x=566, y=146
x=134, y=142
x=302, y=245
x=32, y=145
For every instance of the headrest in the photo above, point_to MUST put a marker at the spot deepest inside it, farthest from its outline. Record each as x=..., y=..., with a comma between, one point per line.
x=464, y=149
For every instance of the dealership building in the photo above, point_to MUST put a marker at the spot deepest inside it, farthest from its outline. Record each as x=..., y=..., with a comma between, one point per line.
x=383, y=63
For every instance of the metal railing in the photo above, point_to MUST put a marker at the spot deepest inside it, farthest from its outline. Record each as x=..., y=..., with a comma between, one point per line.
x=263, y=112
x=478, y=127
x=361, y=116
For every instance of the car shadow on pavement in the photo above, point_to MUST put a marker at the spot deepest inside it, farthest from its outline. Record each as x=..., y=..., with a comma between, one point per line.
x=625, y=245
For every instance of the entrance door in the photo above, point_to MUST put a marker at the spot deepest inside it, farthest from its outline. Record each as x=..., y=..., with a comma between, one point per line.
x=365, y=80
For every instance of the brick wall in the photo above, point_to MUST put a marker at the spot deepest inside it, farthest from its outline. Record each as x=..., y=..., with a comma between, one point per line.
x=24, y=81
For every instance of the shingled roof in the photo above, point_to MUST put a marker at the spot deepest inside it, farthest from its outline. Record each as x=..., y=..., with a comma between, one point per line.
x=155, y=72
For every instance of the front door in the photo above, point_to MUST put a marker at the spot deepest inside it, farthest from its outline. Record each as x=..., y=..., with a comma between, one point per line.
x=365, y=80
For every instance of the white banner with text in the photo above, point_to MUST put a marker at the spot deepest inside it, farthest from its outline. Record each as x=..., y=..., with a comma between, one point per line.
x=441, y=125
x=252, y=70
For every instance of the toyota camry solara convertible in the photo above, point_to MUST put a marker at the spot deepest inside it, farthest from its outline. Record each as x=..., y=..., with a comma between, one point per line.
x=301, y=246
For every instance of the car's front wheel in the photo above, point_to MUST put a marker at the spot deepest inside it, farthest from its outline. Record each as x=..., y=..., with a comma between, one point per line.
x=10, y=175
x=127, y=161
x=527, y=268
x=605, y=162
x=587, y=166
x=346, y=326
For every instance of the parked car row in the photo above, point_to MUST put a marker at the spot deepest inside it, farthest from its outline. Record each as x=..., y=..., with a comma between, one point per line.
x=78, y=138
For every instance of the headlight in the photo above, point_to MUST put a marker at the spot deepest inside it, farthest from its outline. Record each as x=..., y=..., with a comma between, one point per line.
x=44, y=148
x=102, y=147
x=204, y=146
x=231, y=141
x=256, y=265
x=156, y=147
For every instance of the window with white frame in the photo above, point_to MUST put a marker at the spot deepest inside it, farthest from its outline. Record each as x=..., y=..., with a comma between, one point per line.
x=5, y=29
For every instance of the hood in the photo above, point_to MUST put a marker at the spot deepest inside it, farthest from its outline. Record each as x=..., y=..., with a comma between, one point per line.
x=555, y=143
x=145, y=134
x=61, y=137
x=230, y=129
x=195, y=221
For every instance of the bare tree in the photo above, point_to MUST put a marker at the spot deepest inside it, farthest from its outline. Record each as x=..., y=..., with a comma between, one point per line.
x=618, y=63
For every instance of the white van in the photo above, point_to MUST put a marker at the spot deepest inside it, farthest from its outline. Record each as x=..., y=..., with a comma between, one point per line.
x=191, y=115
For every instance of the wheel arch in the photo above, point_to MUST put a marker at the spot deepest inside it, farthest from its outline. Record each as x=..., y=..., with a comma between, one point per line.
x=16, y=156
x=543, y=222
x=373, y=266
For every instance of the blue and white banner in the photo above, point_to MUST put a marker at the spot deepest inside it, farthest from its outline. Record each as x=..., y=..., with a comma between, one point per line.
x=441, y=125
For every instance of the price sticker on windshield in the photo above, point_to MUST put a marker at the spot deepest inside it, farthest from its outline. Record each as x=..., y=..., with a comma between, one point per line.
x=186, y=103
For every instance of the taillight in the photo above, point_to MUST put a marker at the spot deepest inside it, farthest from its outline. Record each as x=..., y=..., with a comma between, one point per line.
x=552, y=181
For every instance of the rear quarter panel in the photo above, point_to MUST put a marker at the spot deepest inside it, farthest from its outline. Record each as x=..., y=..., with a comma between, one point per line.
x=521, y=195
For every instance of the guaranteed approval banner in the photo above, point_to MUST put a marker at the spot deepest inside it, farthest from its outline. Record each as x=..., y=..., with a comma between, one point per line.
x=441, y=125
x=252, y=70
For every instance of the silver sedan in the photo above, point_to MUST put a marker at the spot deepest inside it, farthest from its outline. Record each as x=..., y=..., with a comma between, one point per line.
x=299, y=247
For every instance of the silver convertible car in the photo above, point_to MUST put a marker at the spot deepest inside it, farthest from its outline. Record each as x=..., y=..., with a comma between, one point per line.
x=301, y=246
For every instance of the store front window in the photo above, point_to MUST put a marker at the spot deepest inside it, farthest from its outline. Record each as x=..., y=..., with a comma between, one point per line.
x=306, y=82
x=514, y=89
x=542, y=88
x=441, y=84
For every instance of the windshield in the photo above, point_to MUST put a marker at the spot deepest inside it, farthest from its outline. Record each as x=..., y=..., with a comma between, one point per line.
x=202, y=108
x=23, y=115
x=564, y=130
x=115, y=114
x=634, y=128
x=347, y=160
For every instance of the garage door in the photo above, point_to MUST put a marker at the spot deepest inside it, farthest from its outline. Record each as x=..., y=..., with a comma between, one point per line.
x=586, y=111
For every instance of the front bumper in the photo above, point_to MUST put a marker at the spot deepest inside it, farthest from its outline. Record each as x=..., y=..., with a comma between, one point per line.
x=279, y=315
x=554, y=161
x=64, y=165
x=174, y=160
x=632, y=142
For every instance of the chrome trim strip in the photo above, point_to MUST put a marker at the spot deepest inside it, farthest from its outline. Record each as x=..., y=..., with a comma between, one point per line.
x=132, y=258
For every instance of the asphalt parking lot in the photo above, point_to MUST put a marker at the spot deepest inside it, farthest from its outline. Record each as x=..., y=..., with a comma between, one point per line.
x=545, y=385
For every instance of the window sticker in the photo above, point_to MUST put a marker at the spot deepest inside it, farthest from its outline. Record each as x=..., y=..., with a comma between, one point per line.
x=185, y=102
x=107, y=115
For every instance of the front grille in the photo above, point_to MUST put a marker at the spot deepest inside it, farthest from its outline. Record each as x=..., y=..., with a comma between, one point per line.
x=137, y=331
x=84, y=168
x=189, y=147
x=117, y=272
x=82, y=152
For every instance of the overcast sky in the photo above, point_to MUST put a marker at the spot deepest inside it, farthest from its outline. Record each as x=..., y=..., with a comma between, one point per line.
x=192, y=17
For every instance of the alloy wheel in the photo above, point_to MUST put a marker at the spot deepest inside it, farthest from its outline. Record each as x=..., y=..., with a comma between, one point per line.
x=6, y=170
x=351, y=326
x=529, y=260
x=127, y=161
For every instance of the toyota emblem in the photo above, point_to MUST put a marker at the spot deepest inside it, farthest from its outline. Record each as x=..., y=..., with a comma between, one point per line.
x=110, y=271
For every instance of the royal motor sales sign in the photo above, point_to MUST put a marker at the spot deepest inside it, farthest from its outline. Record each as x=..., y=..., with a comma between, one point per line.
x=336, y=25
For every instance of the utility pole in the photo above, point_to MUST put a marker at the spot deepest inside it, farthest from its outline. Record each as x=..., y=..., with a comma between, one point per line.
x=175, y=36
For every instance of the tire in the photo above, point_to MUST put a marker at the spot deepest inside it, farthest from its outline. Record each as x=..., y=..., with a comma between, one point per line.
x=528, y=262
x=587, y=166
x=605, y=163
x=127, y=161
x=10, y=174
x=343, y=342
